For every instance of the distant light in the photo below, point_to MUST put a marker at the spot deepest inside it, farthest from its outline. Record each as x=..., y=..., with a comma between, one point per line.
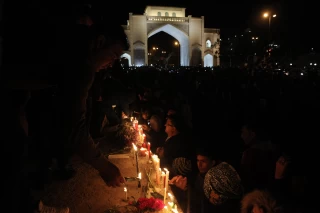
x=301, y=73
x=265, y=15
x=290, y=64
x=315, y=64
x=274, y=15
x=311, y=64
x=257, y=38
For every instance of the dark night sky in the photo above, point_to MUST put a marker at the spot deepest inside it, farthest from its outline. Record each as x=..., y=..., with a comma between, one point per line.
x=295, y=25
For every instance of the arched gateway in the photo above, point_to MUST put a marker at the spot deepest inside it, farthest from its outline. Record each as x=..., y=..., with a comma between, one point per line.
x=198, y=45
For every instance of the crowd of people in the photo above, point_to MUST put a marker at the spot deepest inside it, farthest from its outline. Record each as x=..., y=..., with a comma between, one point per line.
x=194, y=122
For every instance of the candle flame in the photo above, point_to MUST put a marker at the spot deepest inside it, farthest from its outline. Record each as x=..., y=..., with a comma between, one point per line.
x=125, y=189
x=139, y=176
x=170, y=195
x=165, y=169
x=134, y=146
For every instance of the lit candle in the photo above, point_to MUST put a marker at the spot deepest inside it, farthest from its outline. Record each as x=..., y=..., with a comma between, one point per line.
x=148, y=147
x=165, y=208
x=131, y=119
x=136, y=156
x=139, y=180
x=143, y=151
x=163, y=175
x=135, y=124
x=175, y=210
x=156, y=164
x=165, y=195
x=171, y=197
x=167, y=177
x=125, y=193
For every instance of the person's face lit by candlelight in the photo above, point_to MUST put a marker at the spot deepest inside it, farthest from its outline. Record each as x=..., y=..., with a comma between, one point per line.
x=170, y=128
x=204, y=163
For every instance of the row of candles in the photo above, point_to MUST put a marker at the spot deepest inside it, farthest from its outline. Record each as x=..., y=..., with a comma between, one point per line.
x=160, y=175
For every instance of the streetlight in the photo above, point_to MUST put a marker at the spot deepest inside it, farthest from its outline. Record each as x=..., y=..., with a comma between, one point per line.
x=176, y=43
x=267, y=15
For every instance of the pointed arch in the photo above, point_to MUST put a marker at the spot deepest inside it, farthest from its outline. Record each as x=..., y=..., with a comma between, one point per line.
x=180, y=36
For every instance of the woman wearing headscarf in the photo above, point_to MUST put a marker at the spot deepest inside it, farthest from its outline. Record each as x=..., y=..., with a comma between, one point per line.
x=222, y=186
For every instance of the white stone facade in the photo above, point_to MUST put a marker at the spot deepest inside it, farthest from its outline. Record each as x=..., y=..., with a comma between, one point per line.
x=198, y=45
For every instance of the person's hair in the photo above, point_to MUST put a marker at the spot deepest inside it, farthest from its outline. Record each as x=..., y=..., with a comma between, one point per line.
x=211, y=153
x=113, y=33
x=157, y=119
x=177, y=121
x=81, y=10
x=258, y=128
x=261, y=198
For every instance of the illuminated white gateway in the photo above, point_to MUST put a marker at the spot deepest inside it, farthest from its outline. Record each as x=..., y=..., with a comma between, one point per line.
x=198, y=45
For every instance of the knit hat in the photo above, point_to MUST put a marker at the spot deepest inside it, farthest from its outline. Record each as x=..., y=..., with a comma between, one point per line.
x=224, y=181
x=181, y=166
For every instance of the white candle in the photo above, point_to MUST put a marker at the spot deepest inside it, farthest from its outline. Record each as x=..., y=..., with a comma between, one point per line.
x=163, y=176
x=136, y=156
x=125, y=193
x=167, y=177
x=156, y=164
x=165, y=195
x=171, y=196
x=174, y=210
x=149, y=152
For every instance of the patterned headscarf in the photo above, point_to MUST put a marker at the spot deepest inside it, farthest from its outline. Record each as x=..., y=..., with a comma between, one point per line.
x=224, y=181
x=181, y=166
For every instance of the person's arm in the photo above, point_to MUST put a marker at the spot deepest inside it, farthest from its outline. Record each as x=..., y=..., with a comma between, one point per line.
x=280, y=185
x=80, y=140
